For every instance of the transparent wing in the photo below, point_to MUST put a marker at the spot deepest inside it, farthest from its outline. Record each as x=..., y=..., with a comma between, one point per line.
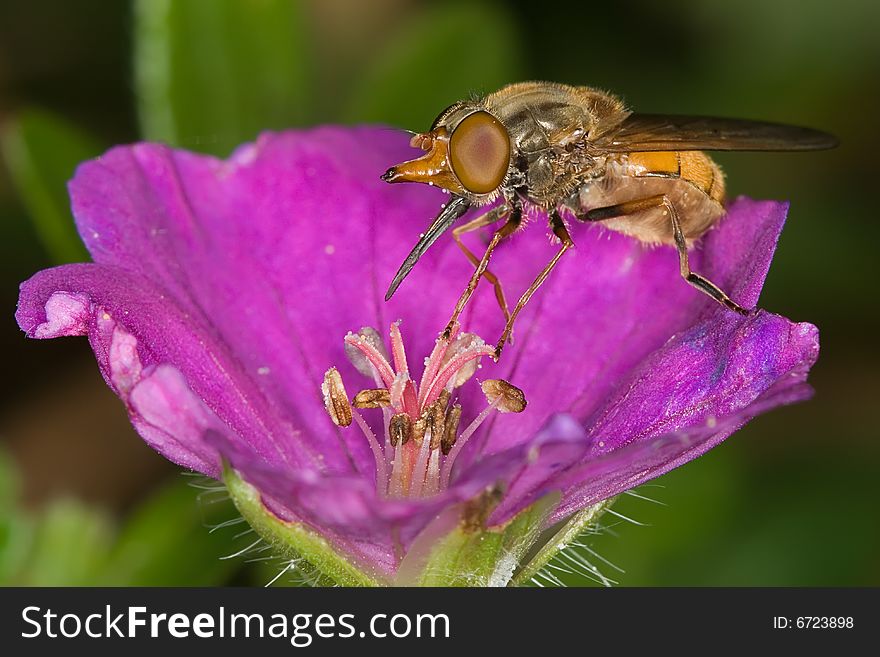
x=669, y=132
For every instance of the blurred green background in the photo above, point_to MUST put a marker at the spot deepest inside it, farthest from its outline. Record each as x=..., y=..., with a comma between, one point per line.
x=791, y=500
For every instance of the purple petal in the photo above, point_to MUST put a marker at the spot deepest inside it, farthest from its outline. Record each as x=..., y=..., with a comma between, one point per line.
x=619, y=470
x=610, y=304
x=136, y=333
x=671, y=412
x=173, y=420
x=712, y=370
x=682, y=400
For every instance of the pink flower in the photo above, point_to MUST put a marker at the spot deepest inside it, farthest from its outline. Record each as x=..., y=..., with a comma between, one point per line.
x=222, y=291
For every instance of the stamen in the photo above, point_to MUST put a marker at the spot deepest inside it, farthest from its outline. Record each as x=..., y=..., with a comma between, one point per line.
x=356, y=358
x=335, y=398
x=381, y=467
x=400, y=429
x=500, y=394
x=435, y=417
x=419, y=428
x=420, y=468
x=477, y=350
x=443, y=398
x=396, y=486
x=397, y=350
x=462, y=343
x=511, y=399
x=386, y=422
x=462, y=440
x=450, y=433
x=376, y=358
x=432, y=478
x=372, y=398
x=432, y=366
x=421, y=439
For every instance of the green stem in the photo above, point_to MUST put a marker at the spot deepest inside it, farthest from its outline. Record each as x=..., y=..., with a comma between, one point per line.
x=313, y=554
x=565, y=536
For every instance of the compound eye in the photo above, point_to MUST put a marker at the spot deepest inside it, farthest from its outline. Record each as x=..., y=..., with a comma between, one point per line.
x=479, y=151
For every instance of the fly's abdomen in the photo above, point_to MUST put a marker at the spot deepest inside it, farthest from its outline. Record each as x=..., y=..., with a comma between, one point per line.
x=694, y=167
x=691, y=180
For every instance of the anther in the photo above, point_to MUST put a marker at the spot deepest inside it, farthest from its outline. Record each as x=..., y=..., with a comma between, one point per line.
x=372, y=398
x=443, y=398
x=400, y=429
x=507, y=397
x=335, y=398
x=436, y=419
x=450, y=430
x=418, y=430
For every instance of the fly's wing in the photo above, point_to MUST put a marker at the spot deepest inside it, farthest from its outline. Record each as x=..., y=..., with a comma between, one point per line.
x=669, y=132
x=448, y=215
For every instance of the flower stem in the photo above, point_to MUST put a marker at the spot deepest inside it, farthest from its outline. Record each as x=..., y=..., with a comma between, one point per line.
x=565, y=536
x=295, y=540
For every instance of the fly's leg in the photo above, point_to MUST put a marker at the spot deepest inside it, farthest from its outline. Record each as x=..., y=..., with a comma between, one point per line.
x=479, y=222
x=508, y=228
x=560, y=231
x=632, y=207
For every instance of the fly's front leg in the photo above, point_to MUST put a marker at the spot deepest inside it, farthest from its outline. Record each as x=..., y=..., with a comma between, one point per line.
x=561, y=232
x=512, y=223
x=661, y=200
x=479, y=222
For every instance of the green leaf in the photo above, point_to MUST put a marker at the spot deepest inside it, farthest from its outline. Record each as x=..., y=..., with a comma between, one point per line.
x=313, y=555
x=167, y=541
x=16, y=528
x=465, y=556
x=16, y=537
x=570, y=530
x=70, y=546
x=443, y=54
x=41, y=151
x=211, y=74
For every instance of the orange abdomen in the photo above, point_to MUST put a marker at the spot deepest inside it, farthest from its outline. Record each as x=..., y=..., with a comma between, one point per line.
x=694, y=167
x=690, y=179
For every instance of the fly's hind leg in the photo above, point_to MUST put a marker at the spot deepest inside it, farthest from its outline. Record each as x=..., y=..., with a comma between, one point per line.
x=558, y=227
x=484, y=220
x=632, y=207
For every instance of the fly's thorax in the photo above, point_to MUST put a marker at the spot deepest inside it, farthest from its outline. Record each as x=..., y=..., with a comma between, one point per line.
x=553, y=176
x=544, y=114
x=552, y=128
